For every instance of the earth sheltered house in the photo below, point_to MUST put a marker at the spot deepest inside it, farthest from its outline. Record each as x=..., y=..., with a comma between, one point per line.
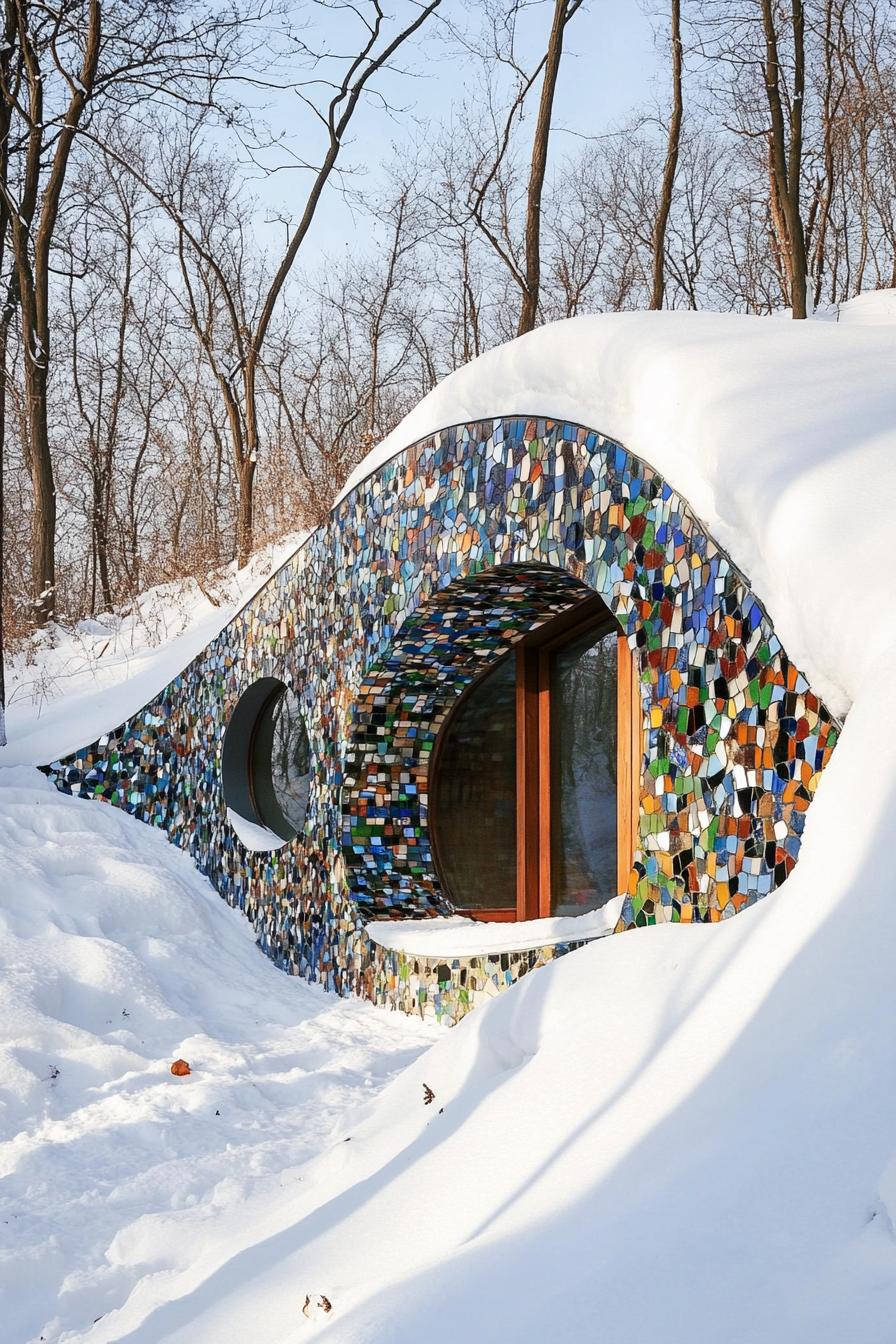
x=511, y=678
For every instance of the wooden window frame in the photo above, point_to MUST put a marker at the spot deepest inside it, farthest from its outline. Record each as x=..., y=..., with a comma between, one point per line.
x=533, y=760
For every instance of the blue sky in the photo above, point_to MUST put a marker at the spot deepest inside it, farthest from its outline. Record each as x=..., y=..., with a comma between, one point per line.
x=609, y=66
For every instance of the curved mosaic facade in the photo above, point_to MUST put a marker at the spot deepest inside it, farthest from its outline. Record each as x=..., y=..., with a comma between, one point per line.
x=421, y=578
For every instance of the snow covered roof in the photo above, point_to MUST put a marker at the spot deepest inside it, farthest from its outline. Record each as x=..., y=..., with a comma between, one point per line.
x=748, y=418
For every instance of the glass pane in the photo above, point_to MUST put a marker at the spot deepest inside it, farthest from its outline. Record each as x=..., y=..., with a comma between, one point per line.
x=476, y=823
x=281, y=766
x=291, y=761
x=583, y=773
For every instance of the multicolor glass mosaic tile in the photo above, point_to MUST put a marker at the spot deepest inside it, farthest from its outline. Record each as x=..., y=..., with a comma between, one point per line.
x=448, y=987
x=420, y=579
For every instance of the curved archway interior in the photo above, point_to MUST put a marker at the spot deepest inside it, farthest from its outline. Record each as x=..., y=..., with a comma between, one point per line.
x=462, y=633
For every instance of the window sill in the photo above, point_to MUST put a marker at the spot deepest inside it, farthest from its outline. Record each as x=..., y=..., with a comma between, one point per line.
x=455, y=936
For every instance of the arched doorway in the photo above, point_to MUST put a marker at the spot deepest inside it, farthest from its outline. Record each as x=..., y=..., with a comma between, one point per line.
x=457, y=637
x=536, y=772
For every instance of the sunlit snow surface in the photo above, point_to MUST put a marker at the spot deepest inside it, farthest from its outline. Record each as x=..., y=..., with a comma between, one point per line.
x=681, y=1135
x=116, y=958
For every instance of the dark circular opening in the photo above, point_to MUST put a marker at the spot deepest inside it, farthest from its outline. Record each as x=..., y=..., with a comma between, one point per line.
x=266, y=762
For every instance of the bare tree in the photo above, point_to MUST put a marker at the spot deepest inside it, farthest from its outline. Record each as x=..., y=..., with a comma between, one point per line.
x=563, y=12
x=8, y=56
x=33, y=216
x=74, y=60
x=201, y=393
x=507, y=215
x=671, y=163
x=693, y=232
x=833, y=92
x=103, y=361
x=786, y=143
x=756, y=65
x=580, y=236
x=239, y=382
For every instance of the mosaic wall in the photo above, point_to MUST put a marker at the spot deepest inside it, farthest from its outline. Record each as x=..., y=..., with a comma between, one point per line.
x=448, y=987
x=419, y=580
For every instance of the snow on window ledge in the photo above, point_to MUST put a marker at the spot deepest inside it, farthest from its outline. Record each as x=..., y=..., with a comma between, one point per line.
x=253, y=836
x=456, y=936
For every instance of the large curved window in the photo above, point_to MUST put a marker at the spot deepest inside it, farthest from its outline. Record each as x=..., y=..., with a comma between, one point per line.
x=583, y=747
x=266, y=764
x=476, y=799
x=535, y=775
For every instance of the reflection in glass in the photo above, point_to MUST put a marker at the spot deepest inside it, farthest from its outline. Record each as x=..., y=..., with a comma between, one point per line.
x=477, y=795
x=583, y=773
x=281, y=765
x=291, y=761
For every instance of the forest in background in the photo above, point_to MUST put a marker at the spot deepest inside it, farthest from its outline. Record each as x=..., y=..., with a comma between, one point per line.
x=177, y=385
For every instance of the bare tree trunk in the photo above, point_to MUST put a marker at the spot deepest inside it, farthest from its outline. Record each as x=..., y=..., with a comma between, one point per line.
x=43, y=487
x=395, y=251
x=244, y=526
x=829, y=107
x=101, y=543
x=106, y=452
x=6, y=61
x=563, y=12
x=32, y=259
x=246, y=459
x=670, y=167
x=4, y=328
x=472, y=345
x=779, y=232
x=786, y=161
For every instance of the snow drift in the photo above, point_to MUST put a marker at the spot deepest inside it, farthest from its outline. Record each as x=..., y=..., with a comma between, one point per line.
x=684, y=1135
x=116, y=958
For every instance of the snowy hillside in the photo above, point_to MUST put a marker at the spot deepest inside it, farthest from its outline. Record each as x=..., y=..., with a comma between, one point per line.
x=682, y=1135
x=69, y=685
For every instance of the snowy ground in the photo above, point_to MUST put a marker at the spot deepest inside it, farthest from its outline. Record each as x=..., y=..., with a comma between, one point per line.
x=679, y=1135
x=120, y=1183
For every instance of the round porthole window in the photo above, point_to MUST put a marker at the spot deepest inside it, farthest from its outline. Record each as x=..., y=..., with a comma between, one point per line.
x=266, y=765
